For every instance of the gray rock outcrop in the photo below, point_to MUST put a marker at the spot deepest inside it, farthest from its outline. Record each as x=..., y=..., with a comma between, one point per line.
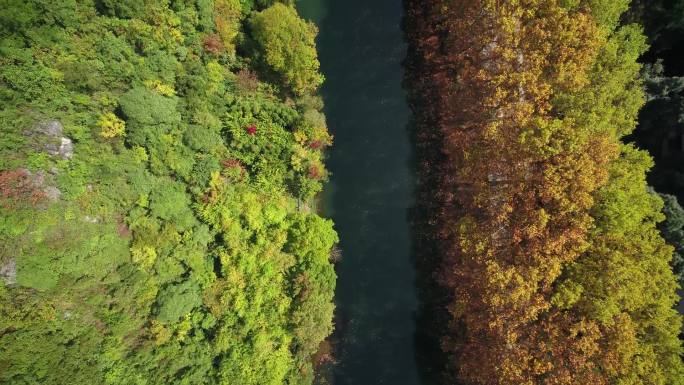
x=8, y=272
x=57, y=144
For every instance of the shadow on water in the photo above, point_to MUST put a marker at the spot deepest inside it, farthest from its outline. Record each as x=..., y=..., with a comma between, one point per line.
x=371, y=195
x=431, y=316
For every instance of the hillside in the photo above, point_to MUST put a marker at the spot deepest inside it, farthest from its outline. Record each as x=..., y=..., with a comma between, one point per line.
x=158, y=163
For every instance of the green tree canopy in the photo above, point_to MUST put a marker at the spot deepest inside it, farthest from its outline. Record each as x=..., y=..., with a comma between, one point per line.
x=673, y=232
x=287, y=47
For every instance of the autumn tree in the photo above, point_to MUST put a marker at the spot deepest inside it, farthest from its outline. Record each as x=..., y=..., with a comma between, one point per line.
x=527, y=101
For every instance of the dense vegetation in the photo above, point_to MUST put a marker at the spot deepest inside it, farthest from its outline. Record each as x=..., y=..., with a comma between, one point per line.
x=661, y=121
x=537, y=219
x=158, y=163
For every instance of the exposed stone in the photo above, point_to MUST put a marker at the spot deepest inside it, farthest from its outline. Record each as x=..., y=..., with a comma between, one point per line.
x=56, y=143
x=38, y=178
x=42, y=180
x=52, y=193
x=52, y=148
x=66, y=148
x=90, y=219
x=52, y=128
x=8, y=272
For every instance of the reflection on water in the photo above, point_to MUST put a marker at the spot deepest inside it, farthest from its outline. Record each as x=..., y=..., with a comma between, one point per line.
x=361, y=49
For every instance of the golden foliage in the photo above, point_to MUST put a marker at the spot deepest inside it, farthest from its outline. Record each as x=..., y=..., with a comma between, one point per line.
x=111, y=126
x=529, y=100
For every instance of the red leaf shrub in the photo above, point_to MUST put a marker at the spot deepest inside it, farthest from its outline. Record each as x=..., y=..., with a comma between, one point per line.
x=315, y=172
x=17, y=189
x=231, y=163
x=315, y=144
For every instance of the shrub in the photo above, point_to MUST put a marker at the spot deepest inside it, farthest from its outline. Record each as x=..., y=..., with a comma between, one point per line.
x=672, y=230
x=17, y=188
x=178, y=300
x=111, y=126
x=246, y=81
x=143, y=106
x=160, y=88
x=171, y=204
x=121, y=8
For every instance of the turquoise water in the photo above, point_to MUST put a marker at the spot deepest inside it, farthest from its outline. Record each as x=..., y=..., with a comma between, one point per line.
x=361, y=50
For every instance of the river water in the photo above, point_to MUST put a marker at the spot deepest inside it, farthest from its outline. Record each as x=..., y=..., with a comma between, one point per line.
x=361, y=49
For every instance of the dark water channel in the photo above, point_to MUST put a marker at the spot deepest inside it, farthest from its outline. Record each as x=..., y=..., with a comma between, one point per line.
x=361, y=49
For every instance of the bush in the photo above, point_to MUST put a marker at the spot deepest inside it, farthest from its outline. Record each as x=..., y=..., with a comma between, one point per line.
x=170, y=203
x=145, y=107
x=178, y=300
x=111, y=126
x=125, y=9
x=672, y=230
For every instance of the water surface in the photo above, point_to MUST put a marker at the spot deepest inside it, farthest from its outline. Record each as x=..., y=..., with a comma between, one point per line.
x=361, y=49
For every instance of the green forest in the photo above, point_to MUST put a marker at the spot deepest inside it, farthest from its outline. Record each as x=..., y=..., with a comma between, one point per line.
x=159, y=162
x=173, y=209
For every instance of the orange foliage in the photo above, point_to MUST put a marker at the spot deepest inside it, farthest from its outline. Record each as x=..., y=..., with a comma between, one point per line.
x=514, y=180
x=18, y=189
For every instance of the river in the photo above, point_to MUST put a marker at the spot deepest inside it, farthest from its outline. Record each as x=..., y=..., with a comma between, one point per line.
x=361, y=49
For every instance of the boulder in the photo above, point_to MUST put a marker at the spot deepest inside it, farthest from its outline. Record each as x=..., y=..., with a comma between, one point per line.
x=55, y=144
x=8, y=272
x=66, y=148
x=51, y=128
x=52, y=193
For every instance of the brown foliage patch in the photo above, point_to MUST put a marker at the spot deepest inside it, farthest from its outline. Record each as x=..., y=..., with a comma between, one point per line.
x=246, y=81
x=212, y=44
x=18, y=189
